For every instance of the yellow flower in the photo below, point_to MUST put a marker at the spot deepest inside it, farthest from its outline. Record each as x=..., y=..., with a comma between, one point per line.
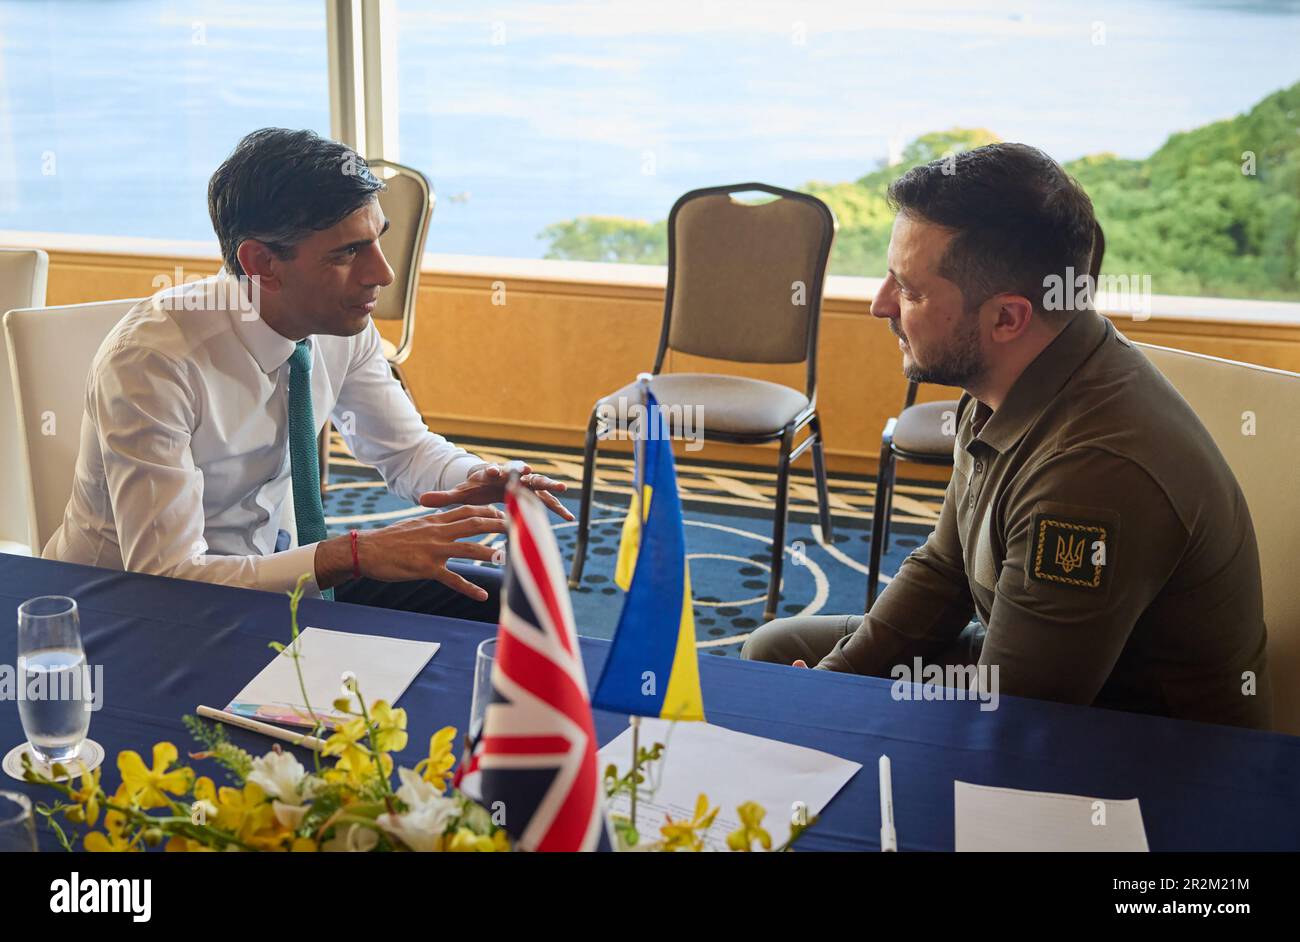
x=347, y=744
x=189, y=845
x=87, y=796
x=146, y=786
x=682, y=835
x=113, y=839
x=303, y=845
x=204, y=789
x=465, y=840
x=273, y=837
x=246, y=814
x=350, y=742
x=751, y=820
x=390, y=727
x=436, y=769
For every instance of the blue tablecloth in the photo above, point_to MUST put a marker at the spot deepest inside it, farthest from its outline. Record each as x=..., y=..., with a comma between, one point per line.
x=168, y=645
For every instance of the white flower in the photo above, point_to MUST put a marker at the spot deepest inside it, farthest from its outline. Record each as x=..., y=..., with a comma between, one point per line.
x=290, y=816
x=415, y=792
x=279, y=774
x=428, y=813
x=351, y=837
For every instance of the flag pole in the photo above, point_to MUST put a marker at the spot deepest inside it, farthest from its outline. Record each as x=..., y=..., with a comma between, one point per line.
x=638, y=457
x=635, y=722
x=638, y=498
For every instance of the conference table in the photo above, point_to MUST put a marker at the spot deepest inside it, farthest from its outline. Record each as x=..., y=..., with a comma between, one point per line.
x=168, y=645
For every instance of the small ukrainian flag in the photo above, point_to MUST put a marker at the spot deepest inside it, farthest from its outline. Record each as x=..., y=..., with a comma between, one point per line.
x=652, y=669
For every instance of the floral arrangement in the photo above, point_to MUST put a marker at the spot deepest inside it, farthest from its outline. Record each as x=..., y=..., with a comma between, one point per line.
x=275, y=804
x=689, y=834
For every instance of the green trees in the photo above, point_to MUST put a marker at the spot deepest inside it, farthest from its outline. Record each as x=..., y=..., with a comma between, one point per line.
x=608, y=239
x=1214, y=211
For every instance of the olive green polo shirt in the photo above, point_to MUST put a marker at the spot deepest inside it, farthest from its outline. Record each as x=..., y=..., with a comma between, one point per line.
x=1094, y=528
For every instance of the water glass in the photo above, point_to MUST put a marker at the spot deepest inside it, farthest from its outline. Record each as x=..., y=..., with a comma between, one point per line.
x=484, y=658
x=17, y=828
x=55, y=697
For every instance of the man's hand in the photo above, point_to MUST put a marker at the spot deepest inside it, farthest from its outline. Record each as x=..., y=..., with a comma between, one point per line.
x=413, y=549
x=487, y=485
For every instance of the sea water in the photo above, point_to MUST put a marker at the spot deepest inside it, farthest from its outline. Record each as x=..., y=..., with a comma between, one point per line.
x=54, y=701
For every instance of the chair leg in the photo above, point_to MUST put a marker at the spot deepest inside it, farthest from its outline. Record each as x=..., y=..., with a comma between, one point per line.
x=323, y=446
x=584, y=513
x=778, y=525
x=878, y=517
x=889, y=501
x=819, y=473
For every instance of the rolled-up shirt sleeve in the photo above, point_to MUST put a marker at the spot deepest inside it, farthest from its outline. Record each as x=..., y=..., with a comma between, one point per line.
x=922, y=610
x=144, y=410
x=383, y=428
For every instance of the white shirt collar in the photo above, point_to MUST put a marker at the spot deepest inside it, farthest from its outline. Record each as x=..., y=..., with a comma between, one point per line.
x=270, y=349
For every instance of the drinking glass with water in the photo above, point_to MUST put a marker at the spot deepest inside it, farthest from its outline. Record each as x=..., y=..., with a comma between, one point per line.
x=484, y=658
x=55, y=696
x=17, y=828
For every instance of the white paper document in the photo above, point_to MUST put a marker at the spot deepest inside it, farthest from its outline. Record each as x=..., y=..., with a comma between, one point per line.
x=730, y=768
x=383, y=667
x=1008, y=819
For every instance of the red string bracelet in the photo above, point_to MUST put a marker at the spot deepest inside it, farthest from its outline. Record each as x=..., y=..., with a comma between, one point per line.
x=356, y=560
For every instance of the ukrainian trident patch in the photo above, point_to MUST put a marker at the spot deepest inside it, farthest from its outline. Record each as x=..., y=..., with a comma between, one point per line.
x=1069, y=551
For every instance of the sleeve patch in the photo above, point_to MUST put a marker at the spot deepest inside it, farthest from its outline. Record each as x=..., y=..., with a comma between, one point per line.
x=1070, y=551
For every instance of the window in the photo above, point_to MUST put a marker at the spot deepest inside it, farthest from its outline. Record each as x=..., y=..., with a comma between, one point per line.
x=567, y=129
x=114, y=115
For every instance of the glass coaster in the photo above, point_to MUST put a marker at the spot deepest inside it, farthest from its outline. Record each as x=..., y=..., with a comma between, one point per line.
x=91, y=755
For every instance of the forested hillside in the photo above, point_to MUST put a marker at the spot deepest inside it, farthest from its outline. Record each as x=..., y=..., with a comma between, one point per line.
x=1214, y=212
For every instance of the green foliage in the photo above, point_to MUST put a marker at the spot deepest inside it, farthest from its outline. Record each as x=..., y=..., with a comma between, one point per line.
x=1188, y=215
x=608, y=239
x=1194, y=220
x=616, y=784
x=236, y=762
x=51, y=814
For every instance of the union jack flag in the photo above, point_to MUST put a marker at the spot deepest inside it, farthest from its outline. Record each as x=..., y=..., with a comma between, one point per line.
x=536, y=752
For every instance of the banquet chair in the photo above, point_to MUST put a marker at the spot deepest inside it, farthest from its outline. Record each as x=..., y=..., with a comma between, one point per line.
x=923, y=433
x=23, y=274
x=1250, y=411
x=50, y=352
x=735, y=270
x=407, y=203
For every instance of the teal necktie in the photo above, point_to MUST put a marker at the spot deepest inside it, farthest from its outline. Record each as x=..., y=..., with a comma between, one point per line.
x=304, y=464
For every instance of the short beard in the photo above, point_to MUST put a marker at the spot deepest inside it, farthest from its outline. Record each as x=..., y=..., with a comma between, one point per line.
x=961, y=363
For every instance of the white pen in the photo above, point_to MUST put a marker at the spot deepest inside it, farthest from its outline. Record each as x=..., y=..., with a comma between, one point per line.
x=266, y=729
x=888, y=839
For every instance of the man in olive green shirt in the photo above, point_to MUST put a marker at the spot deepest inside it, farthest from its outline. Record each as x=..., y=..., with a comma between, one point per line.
x=1091, y=524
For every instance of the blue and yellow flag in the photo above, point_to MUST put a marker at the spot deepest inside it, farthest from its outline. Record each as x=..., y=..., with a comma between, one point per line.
x=652, y=668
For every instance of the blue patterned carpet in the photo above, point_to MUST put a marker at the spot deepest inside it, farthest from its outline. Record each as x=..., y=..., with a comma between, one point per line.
x=728, y=535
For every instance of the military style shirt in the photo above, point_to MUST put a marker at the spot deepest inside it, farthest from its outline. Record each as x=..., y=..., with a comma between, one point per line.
x=1097, y=533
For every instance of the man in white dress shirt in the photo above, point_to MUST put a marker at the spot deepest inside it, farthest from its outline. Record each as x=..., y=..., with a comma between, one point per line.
x=186, y=457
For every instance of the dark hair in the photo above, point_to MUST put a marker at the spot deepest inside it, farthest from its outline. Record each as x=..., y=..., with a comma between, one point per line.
x=279, y=186
x=1018, y=217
